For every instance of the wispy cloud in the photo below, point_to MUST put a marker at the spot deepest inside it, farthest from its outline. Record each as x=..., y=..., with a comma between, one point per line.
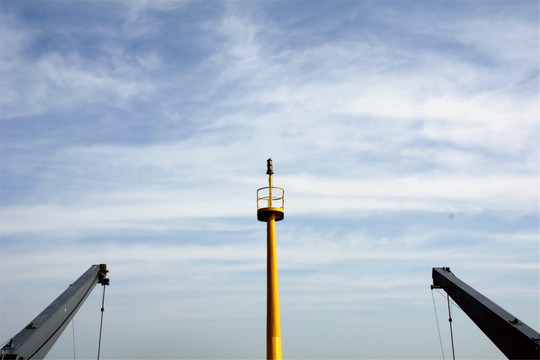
x=405, y=136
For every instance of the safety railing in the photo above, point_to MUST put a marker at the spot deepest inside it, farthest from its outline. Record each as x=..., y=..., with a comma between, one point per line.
x=272, y=197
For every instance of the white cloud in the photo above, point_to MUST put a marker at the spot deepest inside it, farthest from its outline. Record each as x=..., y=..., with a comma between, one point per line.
x=67, y=80
x=435, y=193
x=152, y=209
x=63, y=82
x=377, y=133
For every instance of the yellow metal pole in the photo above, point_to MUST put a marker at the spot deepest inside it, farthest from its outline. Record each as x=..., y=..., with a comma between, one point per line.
x=271, y=215
x=270, y=190
x=273, y=327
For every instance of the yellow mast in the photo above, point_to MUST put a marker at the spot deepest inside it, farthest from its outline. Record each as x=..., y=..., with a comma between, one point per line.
x=270, y=214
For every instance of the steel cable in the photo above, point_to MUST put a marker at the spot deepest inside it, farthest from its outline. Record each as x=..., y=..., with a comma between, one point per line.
x=437, y=320
x=101, y=323
x=450, y=322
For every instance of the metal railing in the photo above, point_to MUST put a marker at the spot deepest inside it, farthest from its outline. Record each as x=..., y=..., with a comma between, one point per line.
x=268, y=195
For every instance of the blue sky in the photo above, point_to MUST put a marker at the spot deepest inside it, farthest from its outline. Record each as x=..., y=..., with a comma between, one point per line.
x=136, y=133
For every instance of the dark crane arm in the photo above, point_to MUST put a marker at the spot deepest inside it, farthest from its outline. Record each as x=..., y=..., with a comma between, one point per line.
x=515, y=339
x=38, y=337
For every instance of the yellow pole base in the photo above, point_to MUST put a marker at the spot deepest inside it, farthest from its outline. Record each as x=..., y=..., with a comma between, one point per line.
x=273, y=327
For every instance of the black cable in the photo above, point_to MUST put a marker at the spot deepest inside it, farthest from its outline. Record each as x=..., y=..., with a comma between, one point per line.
x=73, y=328
x=101, y=323
x=437, y=320
x=450, y=322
